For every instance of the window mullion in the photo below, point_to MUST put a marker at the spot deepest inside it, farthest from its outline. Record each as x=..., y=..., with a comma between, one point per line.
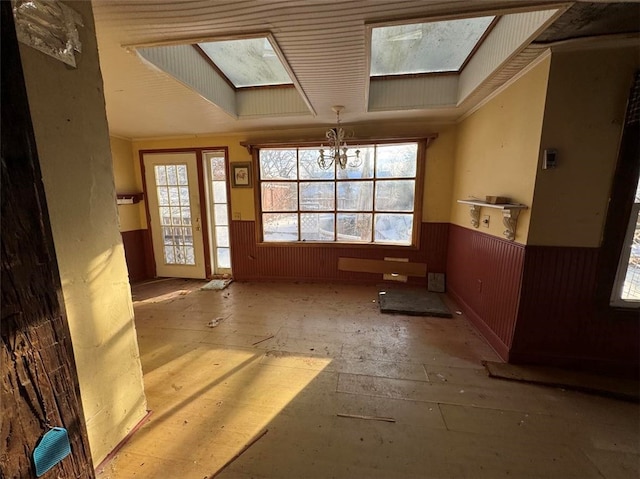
x=392, y=165
x=335, y=204
x=299, y=193
x=373, y=200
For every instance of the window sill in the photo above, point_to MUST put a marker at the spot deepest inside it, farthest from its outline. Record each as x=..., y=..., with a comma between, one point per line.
x=313, y=244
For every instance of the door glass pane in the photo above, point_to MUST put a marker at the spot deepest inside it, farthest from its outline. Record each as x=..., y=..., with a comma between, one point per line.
x=355, y=227
x=163, y=197
x=316, y=196
x=393, y=228
x=219, y=229
x=277, y=196
x=395, y=195
x=218, y=172
x=161, y=174
x=220, y=215
x=355, y=195
x=280, y=226
x=219, y=192
x=184, y=195
x=186, y=215
x=222, y=236
x=182, y=175
x=317, y=227
x=172, y=175
x=165, y=216
x=223, y=258
x=175, y=214
x=174, y=196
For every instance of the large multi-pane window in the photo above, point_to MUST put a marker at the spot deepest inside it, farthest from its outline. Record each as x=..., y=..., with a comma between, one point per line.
x=371, y=202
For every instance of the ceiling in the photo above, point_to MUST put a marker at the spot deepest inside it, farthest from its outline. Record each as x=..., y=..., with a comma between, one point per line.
x=324, y=43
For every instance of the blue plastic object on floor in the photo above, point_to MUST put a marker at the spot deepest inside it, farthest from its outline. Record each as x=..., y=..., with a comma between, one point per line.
x=53, y=448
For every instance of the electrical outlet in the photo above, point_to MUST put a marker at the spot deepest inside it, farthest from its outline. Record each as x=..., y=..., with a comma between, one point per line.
x=237, y=216
x=485, y=220
x=479, y=286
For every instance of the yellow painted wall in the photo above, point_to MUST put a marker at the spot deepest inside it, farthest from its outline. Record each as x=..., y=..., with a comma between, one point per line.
x=497, y=151
x=241, y=198
x=70, y=125
x=583, y=118
x=126, y=172
x=438, y=175
x=438, y=181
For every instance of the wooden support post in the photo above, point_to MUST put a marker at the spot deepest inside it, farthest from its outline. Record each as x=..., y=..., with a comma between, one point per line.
x=39, y=385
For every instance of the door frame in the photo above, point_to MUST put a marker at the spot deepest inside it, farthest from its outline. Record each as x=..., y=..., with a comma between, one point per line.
x=213, y=242
x=150, y=257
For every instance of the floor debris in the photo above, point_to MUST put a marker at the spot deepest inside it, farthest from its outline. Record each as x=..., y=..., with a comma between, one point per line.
x=216, y=284
x=240, y=453
x=367, y=418
x=263, y=340
x=214, y=322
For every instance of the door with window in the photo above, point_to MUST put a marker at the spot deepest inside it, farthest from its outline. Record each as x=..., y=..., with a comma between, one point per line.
x=174, y=210
x=218, y=209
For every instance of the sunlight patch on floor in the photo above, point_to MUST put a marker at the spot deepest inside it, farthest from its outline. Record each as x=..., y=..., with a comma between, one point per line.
x=209, y=402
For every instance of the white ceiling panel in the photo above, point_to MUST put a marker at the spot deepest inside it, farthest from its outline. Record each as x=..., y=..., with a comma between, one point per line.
x=323, y=42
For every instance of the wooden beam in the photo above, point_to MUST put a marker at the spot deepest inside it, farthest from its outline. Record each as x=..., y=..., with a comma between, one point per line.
x=39, y=383
x=381, y=266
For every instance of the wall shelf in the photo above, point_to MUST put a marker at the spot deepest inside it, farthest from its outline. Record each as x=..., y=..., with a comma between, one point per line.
x=129, y=198
x=510, y=213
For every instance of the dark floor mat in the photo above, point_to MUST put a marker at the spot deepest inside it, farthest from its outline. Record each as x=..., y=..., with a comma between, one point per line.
x=414, y=302
x=607, y=386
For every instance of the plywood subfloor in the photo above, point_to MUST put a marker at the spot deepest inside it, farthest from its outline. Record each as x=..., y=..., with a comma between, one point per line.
x=289, y=358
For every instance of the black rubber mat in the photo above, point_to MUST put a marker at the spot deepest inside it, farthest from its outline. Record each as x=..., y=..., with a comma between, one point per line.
x=413, y=302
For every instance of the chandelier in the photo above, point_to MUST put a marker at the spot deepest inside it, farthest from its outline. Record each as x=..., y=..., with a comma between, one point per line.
x=337, y=147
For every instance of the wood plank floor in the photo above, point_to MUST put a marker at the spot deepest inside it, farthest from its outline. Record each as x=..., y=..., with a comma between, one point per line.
x=330, y=351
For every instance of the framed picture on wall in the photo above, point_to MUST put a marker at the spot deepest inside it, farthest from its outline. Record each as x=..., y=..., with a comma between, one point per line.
x=241, y=175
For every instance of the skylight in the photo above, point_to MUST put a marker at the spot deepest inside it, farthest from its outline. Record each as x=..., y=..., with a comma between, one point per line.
x=247, y=62
x=425, y=47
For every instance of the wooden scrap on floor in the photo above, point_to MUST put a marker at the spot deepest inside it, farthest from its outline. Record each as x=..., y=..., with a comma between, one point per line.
x=381, y=266
x=368, y=418
x=263, y=340
x=240, y=453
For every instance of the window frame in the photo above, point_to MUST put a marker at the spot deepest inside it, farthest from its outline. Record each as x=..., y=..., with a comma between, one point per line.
x=623, y=263
x=472, y=52
x=621, y=203
x=422, y=144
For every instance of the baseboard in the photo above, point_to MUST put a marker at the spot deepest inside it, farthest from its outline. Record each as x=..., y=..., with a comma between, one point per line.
x=492, y=338
x=125, y=439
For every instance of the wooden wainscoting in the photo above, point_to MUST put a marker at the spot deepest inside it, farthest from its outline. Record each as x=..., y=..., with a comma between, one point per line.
x=253, y=262
x=138, y=252
x=484, y=274
x=559, y=322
